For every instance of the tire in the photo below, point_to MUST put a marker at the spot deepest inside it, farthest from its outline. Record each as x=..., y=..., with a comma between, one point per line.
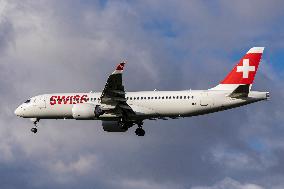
x=34, y=130
x=140, y=132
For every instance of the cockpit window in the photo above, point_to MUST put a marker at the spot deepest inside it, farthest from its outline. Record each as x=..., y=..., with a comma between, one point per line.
x=28, y=101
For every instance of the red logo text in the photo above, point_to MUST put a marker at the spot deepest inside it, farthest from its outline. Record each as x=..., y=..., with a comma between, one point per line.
x=76, y=99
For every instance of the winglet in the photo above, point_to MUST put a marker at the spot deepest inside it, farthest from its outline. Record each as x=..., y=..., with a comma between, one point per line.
x=119, y=68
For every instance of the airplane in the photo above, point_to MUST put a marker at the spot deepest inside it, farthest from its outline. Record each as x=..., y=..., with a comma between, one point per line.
x=119, y=110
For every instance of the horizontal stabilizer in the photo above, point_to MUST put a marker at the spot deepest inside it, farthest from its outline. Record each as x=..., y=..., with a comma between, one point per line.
x=241, y=91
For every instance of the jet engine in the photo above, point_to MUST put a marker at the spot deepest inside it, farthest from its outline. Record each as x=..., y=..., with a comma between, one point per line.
x=83, y=111
x=114, y=126
x=98, y=111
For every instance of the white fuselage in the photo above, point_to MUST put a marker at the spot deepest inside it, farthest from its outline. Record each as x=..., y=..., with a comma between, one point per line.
x=145, y=104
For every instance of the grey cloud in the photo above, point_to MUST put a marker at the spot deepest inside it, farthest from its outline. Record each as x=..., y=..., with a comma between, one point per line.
x=72, y=46
x=6, y=35
x=230, y=183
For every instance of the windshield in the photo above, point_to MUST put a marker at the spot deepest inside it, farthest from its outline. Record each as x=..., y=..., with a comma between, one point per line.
x=28, y=101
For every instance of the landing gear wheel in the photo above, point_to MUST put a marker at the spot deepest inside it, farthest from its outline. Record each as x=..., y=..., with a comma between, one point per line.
x=35, y=122
x=139, y=131
x=34, y=130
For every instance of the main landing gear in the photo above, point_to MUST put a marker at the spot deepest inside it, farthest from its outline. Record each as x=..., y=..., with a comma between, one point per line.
x=35, y=121
x=140, y=131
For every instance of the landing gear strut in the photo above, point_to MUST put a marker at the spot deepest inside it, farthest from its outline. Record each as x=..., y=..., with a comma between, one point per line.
x=140, y=131
x=35, y=121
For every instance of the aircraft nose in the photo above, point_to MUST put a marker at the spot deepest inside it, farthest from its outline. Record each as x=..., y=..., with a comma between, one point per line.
x=18, y=111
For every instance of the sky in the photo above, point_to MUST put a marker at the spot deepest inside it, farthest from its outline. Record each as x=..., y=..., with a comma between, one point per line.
x=51, y=46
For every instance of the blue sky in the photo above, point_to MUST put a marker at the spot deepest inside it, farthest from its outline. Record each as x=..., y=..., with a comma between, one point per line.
x=71, y=46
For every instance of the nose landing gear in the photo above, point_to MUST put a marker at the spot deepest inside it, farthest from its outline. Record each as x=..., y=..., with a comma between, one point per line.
x=35, y=121
x=34, y=130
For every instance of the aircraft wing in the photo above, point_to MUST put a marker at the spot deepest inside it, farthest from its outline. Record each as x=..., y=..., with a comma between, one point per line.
x=113, y=96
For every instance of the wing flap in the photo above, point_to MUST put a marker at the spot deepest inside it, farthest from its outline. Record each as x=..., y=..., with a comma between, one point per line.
x=118, y=92
x=125, y=106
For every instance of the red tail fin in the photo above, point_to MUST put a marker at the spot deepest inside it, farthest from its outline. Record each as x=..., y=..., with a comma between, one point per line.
x=244, y=72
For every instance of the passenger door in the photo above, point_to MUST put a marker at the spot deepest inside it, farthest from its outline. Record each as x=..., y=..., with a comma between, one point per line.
x=205, y=100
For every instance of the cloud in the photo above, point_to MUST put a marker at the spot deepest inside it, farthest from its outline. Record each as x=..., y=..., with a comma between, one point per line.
x=64, y=172
x=6, y=152
x=146, y=184
x=59, y=46
x=240, y=160
x=230, y=183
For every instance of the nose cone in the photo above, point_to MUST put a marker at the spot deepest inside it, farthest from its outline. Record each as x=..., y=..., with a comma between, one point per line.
x=18, y=111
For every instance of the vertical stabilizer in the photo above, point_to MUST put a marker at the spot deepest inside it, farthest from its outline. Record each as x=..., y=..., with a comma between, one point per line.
x=244, y=72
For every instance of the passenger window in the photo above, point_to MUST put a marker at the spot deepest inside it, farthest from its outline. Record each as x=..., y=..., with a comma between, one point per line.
x=152, y=97
x=159, y=97
x=170, y=97
x=166, y=97
x=134, y=98
x=173, y=97
x=162, y=97
x=148, y=98
x=130, y=98
x=155, y=97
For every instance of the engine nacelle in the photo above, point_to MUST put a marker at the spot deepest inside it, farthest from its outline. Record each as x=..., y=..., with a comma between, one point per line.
x=98, y=111
x=83, y=111
x=113, y=126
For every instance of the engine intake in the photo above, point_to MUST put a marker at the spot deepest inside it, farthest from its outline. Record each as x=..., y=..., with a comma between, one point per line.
x=98, y=111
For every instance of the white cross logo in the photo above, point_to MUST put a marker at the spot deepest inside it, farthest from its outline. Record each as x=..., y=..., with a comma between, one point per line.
x=246, y=68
